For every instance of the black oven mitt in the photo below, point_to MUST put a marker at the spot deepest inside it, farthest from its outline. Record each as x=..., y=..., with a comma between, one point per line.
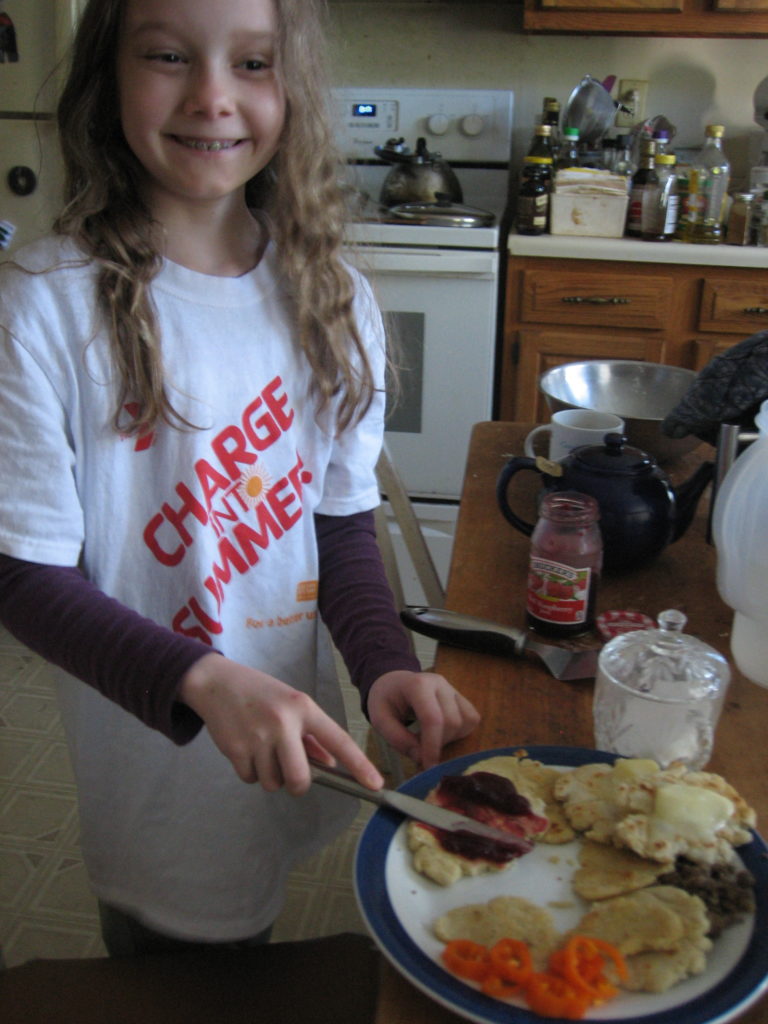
x=730, y=389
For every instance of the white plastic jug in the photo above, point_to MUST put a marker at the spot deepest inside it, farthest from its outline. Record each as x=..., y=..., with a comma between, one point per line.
x=740, y=533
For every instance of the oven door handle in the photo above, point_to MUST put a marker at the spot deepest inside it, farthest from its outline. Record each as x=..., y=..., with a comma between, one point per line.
x=432, y=262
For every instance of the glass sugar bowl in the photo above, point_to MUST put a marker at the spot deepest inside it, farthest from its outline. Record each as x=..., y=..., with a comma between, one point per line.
x=659, y=694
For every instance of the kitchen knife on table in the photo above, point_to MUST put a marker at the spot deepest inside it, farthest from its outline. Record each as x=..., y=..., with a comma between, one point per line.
x=412, y=807
x=493, y=638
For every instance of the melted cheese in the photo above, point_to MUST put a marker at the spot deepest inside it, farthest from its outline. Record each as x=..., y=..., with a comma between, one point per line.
x=630, y=769
x=693, y=812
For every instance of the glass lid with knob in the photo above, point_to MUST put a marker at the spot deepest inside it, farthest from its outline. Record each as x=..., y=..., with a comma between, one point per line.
x=666, y=663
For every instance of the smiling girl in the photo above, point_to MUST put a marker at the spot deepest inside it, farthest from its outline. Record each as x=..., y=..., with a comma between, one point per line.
x=192, y=381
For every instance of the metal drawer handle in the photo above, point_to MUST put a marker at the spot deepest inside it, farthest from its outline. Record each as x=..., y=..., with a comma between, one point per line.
x=597, y=300
x=760, y=310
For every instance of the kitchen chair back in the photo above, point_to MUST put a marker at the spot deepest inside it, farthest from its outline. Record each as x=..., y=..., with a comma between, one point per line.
x=393, y=489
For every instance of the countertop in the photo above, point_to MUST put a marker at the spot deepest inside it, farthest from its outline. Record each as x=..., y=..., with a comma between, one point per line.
x=631, y=250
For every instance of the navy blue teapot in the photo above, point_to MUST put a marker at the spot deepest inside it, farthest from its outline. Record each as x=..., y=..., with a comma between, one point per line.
x=640, y=511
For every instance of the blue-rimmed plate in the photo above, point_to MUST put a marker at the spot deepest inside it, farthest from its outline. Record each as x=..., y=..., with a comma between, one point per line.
x=399, y=906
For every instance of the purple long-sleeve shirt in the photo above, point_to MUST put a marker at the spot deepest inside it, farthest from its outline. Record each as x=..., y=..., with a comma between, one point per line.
x=59, y=614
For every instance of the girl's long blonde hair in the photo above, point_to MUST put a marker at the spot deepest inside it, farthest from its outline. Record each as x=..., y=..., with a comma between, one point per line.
x=105, y=213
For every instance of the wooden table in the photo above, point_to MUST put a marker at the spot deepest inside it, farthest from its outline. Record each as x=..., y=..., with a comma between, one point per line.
x=521, y=704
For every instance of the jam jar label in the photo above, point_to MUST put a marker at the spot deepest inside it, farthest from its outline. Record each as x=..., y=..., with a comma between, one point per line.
x=558, y=593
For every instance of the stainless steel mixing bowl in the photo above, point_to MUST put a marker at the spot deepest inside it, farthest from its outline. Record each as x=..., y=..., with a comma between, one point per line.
x=641, y=393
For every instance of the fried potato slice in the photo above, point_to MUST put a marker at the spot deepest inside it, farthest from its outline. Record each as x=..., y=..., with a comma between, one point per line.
x=613, y=805
x=587, y=795
x=501, y=804
x=606, y=871
x=661, y=930
x=634, y=923
x=536, y=782
x=500, y=918
x=656, y=972
x=442, y=866
x=744, y=816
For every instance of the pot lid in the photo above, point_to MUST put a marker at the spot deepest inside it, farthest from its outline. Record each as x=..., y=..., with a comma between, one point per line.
x=443, y=213
x=613, y=457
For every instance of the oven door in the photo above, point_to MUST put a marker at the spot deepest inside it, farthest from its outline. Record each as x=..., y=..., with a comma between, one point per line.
x=440, y=307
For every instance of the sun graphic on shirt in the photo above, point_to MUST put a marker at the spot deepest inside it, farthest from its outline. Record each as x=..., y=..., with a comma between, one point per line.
x=254, y=484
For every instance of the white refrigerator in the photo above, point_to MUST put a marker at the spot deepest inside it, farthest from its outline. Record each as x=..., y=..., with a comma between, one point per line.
x=34, y=37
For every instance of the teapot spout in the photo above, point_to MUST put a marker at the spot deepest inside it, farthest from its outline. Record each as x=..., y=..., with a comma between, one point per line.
x=687, y=497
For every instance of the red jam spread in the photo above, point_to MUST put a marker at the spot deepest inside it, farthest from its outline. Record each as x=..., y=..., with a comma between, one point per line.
x=493, y=800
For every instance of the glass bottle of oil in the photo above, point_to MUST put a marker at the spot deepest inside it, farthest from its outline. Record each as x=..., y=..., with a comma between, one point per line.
x=707, y=189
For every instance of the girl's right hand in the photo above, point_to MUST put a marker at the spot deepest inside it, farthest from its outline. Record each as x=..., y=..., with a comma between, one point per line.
x=266, y=728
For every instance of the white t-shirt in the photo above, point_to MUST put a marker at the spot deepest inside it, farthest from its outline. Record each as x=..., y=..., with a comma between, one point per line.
x=209, y=532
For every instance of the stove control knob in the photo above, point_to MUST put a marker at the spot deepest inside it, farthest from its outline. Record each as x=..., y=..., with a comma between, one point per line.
x=472, y=124
x=438, y=124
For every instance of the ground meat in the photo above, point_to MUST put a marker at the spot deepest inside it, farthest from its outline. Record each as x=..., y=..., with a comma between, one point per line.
x=728, y=890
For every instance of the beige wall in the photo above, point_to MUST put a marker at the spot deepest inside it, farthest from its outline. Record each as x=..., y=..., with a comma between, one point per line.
x=693, y=82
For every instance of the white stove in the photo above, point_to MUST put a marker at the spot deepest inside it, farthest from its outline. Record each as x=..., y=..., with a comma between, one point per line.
x=438, y=285
x=471, y=129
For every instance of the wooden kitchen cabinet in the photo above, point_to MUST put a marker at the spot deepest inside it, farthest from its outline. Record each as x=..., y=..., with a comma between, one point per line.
x=616, y=5
x=564, y=310
x=740, y=5
x=721, y=18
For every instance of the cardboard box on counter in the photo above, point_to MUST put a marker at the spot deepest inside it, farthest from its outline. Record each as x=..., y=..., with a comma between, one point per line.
x=588, y=201
x=602, y=216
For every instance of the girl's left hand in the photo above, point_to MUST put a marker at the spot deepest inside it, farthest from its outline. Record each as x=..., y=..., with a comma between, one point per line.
x=443, y=714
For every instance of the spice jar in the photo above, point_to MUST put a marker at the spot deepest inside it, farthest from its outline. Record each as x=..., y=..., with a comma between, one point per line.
x=739, y=231
x=565, y=563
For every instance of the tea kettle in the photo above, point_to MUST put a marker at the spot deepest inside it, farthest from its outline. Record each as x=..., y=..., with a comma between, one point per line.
x=420, y=177
x=640, y=511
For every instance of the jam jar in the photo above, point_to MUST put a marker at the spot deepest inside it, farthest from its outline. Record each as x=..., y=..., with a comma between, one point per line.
x=566, y=560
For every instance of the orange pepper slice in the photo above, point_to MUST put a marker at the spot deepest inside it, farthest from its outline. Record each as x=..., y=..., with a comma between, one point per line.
x=499, y=988
x=511, y=960
x=552, y=995
x=574, y=982
x=583, y=963
x=467, y=959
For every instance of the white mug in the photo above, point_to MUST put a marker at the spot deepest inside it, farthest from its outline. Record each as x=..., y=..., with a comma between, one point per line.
x=571, y=428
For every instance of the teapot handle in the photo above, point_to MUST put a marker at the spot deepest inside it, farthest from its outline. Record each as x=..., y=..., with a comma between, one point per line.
x=520, y=462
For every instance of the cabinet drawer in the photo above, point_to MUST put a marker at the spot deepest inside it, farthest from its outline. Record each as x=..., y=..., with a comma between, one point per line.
x=596, y=299
x=730, y=305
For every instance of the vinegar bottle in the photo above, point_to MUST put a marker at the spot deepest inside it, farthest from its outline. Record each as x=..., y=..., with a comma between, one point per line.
x=532, y=216
x=741, y=539
x=551, y=116
x=565, y=564
x=541, y=145
x=644, y=179
x=660, y=201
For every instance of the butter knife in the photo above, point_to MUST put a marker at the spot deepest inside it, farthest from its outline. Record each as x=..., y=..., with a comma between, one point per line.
x=413, y=807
